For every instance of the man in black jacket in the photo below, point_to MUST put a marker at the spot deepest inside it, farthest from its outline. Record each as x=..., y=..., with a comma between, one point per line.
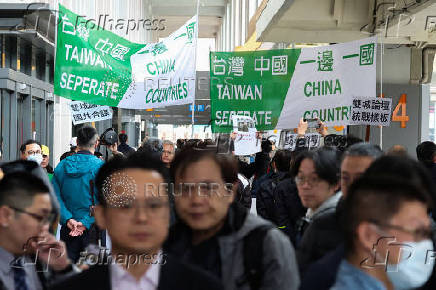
x=124, y=147
x=265, y=201
x=325, y=234
x=134, y=208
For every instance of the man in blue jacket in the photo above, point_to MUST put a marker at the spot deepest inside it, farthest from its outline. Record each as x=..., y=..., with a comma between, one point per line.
x=72, y=181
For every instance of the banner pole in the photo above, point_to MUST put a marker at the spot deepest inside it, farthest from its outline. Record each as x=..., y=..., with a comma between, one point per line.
x=195, y=69
x=381, y=88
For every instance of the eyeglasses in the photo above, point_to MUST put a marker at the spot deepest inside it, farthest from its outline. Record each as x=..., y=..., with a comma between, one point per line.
x=300, y=180
x=418, y=234
x=43, y=220
x=168, y=152
x=31, y=152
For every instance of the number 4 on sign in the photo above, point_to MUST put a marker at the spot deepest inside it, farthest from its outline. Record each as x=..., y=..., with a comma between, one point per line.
x=403, y=118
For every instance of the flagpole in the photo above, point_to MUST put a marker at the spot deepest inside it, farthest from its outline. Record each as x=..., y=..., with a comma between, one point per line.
x=195, y=69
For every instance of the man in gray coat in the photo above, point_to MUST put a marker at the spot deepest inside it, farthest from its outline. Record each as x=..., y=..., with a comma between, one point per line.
x=221, y=236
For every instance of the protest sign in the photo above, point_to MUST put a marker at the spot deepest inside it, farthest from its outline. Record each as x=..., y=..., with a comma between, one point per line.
x=246, y=141
x=371, y=111
x=99, y=67
x=82, y=112
x=288, y=140
x=278, y=87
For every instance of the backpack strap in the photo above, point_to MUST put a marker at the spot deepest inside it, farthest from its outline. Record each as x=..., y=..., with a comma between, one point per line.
x=253, y=255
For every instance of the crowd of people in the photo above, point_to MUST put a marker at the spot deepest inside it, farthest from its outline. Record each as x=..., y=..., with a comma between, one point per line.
x=191, y=215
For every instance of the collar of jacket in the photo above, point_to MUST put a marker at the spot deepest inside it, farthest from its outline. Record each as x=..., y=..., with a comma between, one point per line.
x=86, y=152
x=180, y=233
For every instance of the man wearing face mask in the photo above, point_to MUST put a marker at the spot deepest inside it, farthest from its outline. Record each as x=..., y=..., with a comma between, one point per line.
x=73, y=181
x=31, y=150
x=387, y=233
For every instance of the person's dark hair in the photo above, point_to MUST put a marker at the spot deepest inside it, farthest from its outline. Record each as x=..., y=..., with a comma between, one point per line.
x=28, y=142
x=86, y=137
x=66, y=154
x=227, y=163
x=18, y=189
x=123, y=138
x=139, y=160
x=403, y=168
x=282, y=160
x=377, y=200
x=266, y=146
x=363, y=150
x=425, y=153
x=351, y=140
x=326, y=162
x=180, y=143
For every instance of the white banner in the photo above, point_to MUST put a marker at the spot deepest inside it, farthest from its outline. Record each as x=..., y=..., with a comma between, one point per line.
x=166, y=78
x=83, y=112
x=326, y=78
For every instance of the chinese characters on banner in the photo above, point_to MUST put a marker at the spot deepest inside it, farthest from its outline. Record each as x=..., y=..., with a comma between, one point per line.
x=289, y=140
x=276, y=88
x=83, y=112
x=246, y=142
x=371, y=111
x=97, y=66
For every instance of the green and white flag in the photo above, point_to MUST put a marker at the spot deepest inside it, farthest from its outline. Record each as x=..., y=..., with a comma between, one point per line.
x=99, y=67
x=278, y=87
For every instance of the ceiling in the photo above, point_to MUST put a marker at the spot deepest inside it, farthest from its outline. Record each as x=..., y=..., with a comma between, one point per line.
x=177, y=12
x=332, y=21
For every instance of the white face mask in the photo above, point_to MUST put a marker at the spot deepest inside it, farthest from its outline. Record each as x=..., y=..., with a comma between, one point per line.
x=414, y=271
x=36, y=158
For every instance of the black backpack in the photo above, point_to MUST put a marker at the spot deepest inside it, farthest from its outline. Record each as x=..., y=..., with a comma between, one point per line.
x=253, y=255
x=265, y=197
x=243, y=194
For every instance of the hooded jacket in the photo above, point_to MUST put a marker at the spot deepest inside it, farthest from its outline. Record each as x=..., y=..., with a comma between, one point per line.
x=71, y=184
x=280, y=270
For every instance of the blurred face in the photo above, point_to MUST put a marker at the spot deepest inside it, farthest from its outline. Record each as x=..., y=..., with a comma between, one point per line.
x=31, y=149
x=410, y=224
x=45, y=160
x=353, y=167
x=167, y=154
x=202, y=199
x=312, y=190
x=25, y=225
x=137, y=212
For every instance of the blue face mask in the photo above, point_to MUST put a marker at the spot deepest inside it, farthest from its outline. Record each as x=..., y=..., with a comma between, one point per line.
x=36, y=158
x=413, y=271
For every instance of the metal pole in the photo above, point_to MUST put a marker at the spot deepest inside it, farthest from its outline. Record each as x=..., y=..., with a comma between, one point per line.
x=381, y=88
x=195, y=69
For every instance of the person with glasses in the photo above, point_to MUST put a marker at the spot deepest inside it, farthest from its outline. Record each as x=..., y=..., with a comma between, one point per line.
x=31, y=150
x=397, y=167
x=26, y=246
x=324, y=235
x=387, y=232
x=220, y=235
x=134, y=209
x=316, y=177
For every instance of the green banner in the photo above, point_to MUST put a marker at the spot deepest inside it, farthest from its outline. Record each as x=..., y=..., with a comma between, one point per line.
x=279, y=87
x=97, y=66
x=92, y=64
x=251, y=84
